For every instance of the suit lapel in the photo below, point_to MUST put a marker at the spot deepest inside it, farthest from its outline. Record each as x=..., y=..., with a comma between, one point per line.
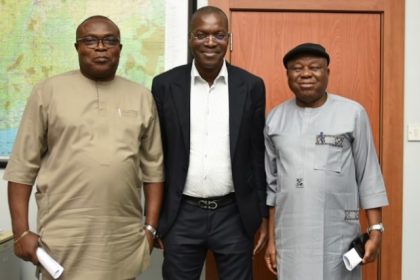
x=237, y=97
x=181, y=90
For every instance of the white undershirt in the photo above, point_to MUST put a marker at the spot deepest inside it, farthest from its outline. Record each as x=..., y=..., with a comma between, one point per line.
x=209, y=172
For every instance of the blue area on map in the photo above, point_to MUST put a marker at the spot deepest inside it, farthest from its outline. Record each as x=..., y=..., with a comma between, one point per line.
x=7, y=138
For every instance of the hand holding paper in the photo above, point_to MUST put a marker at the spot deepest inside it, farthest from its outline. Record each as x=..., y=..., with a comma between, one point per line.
x=53, y=267
x=356, y=252
x=351, y=259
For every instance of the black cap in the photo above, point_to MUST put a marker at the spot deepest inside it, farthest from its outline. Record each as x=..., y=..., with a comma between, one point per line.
x=306, y=48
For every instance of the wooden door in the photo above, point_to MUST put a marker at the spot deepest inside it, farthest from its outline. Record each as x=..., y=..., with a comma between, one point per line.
x=359, y=38
x=260, y=40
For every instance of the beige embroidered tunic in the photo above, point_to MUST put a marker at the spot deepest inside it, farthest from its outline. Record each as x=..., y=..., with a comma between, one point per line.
x=90, y=145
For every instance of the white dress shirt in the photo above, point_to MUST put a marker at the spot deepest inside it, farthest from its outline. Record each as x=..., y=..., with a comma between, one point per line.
x=209, y=172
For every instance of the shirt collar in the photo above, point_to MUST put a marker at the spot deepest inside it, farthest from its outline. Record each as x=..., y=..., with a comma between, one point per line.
x=223, y=74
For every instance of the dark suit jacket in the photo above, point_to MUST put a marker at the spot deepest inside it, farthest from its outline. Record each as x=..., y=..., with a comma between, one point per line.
x=171, y=91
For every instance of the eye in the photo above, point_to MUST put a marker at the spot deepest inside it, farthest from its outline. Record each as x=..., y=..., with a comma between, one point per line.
x=315, y=68
x=220, y=36
x=111, y=41
x=296, y=69
x=200, y=36
x=89, y=41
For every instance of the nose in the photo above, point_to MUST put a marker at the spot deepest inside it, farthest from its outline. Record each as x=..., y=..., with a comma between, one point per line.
x=210, y=40
x=100, y=44
x=306, y=72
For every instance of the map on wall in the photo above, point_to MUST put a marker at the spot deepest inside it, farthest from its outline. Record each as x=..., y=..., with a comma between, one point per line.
x=38, y=42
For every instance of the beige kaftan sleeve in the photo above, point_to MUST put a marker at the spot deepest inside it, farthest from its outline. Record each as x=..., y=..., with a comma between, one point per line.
x=151, y=154
x=31, y=140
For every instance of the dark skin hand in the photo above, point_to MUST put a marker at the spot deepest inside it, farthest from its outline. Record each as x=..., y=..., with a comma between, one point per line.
x=153, y=193
x=261, y=237
x=373, y=245
x=271, y=251
x=25, y=247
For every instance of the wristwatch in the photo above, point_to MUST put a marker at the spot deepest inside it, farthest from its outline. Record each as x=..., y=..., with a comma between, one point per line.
x=152, y=230
x=379, y=227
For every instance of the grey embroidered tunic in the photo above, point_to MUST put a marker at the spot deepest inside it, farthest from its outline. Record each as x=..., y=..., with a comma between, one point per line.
x=90, y=145
x=321, y=168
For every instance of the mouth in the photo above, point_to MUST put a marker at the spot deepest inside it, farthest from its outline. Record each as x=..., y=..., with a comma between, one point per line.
x=101, y=59
x=306, y=85
x=209, y=54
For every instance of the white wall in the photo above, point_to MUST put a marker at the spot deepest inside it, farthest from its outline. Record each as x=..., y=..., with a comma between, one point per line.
x=176, y=33
x=201, y=3
x=411, y=195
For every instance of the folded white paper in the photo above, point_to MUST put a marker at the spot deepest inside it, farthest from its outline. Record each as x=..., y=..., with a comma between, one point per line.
x=50, y=265
x=351, y=259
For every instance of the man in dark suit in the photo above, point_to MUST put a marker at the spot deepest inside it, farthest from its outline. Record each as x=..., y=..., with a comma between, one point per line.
x=212, y=120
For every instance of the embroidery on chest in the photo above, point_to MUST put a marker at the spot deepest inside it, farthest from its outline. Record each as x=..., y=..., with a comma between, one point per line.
x=332, y=140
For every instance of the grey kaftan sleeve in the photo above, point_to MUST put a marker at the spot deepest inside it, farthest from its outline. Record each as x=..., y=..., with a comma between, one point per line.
x=270, y=168
x=368, y=173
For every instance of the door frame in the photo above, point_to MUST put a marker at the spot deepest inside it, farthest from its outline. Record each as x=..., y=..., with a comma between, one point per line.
x=392, y=103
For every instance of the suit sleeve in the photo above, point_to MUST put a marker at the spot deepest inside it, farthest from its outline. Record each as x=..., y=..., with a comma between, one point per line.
x=157, y=95
x=257, y=144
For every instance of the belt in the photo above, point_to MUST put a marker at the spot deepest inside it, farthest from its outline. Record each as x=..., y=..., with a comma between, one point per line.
x=210, y=203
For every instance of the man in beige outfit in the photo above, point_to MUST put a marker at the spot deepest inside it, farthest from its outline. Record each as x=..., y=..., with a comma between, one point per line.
x=89, y=139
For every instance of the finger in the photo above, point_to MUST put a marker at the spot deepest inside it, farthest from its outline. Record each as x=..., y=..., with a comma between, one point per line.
x=370, y=255
x=159, y=244
x=368, y=258
x=150, y=242
x=34, y=259
x=21, y=253
x=260, y=244
x=271, y=267
x=257, y=249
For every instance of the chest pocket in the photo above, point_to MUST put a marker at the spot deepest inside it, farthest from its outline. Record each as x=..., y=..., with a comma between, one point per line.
x=329, y=152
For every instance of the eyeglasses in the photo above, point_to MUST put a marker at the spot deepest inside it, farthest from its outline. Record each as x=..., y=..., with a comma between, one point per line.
x=219, y=37
x=93, y=42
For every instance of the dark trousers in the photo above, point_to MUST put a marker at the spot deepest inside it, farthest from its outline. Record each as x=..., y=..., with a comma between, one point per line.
x=197, y=230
